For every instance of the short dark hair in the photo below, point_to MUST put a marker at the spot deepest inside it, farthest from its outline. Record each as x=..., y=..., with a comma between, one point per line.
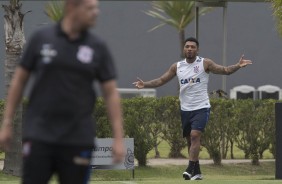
x=192, y=39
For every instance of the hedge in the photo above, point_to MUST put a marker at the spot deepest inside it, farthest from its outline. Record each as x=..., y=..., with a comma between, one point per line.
x=248, y=124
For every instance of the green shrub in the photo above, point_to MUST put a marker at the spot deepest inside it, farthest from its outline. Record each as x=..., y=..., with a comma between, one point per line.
x=173, y=129
x=103, y=126
x=157, y=126
x=270, y=115
x=219, y=130
x=138, y=118
x=255, y=123
x=265, y=116
x=249, y=124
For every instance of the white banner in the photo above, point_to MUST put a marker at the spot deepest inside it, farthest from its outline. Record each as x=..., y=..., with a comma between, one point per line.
x=102, y=156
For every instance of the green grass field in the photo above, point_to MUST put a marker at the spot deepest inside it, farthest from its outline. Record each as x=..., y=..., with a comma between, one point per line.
x=226, y=174
x=235, y=173
x=229, y=174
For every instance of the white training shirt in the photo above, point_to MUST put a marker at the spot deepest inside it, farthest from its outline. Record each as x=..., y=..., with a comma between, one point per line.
x=193, y=81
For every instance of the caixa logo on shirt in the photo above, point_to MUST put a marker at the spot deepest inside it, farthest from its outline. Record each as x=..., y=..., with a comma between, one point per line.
x=47, y=53
x=190, y=80
x=85, y=54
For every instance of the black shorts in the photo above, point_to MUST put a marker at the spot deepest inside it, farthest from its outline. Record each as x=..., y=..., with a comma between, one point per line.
x=41, y=160
x=194, y=120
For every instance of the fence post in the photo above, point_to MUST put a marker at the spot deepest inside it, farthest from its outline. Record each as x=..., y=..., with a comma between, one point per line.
x=278, y=119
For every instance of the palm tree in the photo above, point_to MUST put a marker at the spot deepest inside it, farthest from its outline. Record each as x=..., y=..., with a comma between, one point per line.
x=177, y=14
x=14, y=41
x=55, y=10
x=277, y=11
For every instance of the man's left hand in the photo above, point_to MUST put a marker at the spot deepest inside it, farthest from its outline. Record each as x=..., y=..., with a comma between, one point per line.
x=118, y=151
x=244, y=62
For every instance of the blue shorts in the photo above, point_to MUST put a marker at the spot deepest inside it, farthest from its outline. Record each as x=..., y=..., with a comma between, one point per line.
x=194, y=120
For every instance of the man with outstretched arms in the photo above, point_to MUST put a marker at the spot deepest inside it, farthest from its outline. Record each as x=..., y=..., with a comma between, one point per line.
x=193, y=76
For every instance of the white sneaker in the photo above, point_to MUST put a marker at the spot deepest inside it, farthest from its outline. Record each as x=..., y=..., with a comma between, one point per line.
x=196, y=177
x=187, y=176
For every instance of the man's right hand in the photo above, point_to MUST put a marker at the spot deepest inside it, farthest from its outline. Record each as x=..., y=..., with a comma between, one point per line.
x=139, y=83
x=6, y=134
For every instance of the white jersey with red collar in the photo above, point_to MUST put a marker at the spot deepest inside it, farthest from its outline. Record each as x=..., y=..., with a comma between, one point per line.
x=193, y=81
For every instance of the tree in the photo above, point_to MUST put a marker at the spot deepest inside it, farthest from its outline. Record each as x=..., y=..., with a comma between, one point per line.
x=55, y=10
x=14, y=42
x=177, y=14
x=277, y=12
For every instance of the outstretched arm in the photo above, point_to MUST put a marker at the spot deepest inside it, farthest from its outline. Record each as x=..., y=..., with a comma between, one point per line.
x=167, y=76
x=211, y=66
